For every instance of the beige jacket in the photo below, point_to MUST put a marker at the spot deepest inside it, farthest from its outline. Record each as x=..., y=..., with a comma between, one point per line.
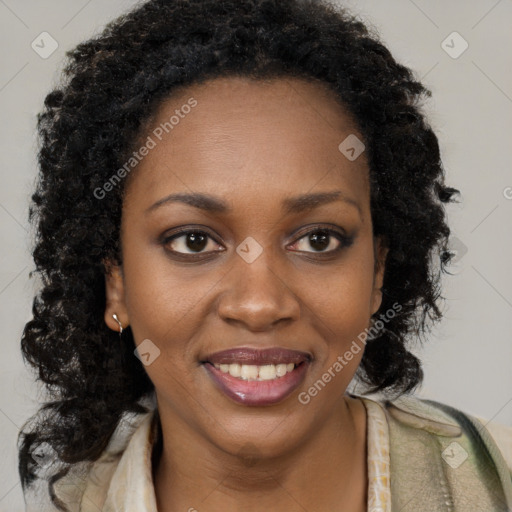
x=440, y=460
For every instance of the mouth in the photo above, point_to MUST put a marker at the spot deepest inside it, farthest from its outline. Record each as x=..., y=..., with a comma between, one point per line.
x=257, y=377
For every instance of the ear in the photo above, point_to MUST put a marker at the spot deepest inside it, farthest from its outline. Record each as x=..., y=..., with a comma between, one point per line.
x=115, y=297
x=380, y=252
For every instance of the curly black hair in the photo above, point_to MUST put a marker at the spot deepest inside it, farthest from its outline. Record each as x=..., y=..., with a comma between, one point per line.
x=111, y=86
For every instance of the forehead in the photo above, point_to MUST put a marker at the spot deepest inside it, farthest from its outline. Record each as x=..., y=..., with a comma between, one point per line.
x=236, y=134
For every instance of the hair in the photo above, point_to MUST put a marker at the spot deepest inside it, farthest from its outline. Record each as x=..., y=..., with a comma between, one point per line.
x=110, y=87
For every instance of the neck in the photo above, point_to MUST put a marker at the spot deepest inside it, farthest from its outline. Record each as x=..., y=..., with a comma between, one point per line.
x=329, y=469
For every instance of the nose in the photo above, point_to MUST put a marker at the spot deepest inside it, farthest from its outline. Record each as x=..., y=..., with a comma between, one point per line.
x=258, y=295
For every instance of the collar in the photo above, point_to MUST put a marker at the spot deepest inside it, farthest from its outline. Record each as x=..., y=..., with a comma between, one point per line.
x=120, y=479
x=423, y=414
x=131, y=488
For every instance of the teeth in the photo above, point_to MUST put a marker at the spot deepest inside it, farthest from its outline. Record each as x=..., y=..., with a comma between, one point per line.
x=248, y=372
x=281, y=369
x=253, y=372
x=267, y=372
x=235, y=370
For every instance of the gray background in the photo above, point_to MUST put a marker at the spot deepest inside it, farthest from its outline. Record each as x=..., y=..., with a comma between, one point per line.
x=468, y=358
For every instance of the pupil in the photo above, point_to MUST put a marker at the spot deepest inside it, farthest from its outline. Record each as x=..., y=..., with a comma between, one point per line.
x=196, y=241
x=322, y=240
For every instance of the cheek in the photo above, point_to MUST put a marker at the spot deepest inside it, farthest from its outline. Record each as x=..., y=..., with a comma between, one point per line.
x=341, y=305
x=159, y=293
x=345, y=292
x=164, y=304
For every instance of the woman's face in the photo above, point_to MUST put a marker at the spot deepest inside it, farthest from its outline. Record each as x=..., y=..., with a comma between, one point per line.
x=257, y=269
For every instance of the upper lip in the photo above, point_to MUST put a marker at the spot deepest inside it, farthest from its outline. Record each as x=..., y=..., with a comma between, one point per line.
x=259, y=357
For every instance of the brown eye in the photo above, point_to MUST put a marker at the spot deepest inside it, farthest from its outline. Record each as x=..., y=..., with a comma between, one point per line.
x=188, y=242
x=323, y=240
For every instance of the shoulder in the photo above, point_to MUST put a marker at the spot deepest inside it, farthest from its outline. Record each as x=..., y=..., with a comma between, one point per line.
x=502, y=435
x=410, y=415
x=442, y=419
x=441, y=453
x=447, y=421
x=81, y=487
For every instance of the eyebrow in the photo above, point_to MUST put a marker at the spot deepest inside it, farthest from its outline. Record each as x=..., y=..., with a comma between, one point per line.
x=297, y=204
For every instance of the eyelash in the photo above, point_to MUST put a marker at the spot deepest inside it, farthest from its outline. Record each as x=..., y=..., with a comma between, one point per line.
x=345, y=241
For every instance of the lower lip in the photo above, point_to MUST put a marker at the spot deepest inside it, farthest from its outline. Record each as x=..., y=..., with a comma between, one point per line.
x=258, y=392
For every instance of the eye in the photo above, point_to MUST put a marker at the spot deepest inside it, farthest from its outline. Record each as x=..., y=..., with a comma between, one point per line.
x=323, y=240
x=193, y=240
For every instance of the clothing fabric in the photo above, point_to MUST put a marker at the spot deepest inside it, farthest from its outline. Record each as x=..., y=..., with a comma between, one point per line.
x=421, y=456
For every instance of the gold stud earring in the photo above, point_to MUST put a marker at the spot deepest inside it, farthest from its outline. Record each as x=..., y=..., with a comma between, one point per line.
x=114, y=316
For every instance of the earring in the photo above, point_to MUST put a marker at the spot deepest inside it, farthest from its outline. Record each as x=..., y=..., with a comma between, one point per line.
x=123, y=357
x=114, y=316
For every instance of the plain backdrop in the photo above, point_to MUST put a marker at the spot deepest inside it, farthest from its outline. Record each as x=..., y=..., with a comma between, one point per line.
x=459, y=50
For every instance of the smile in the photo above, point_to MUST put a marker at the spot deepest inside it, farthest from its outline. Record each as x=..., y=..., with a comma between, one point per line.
x=257, y=377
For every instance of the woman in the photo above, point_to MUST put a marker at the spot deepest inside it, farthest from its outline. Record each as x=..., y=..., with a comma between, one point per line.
x=240, y=209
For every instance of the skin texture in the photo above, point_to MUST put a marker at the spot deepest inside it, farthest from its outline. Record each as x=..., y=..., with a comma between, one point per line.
x=251, y=144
